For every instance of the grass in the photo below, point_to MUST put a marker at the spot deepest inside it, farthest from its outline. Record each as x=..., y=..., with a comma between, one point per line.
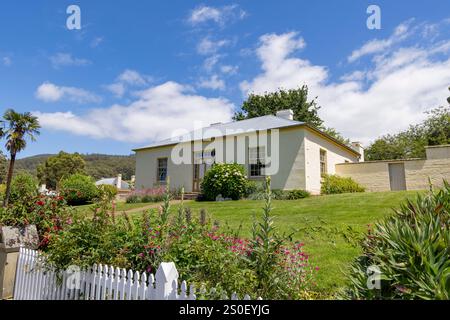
x=318, y=221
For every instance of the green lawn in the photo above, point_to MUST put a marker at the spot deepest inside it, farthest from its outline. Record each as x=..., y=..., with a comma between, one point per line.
x=328, y=250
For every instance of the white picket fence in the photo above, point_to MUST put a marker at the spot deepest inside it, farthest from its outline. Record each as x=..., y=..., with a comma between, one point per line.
x=102, y=282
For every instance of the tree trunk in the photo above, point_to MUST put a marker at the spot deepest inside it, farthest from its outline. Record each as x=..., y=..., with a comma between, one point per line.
x=9, y=179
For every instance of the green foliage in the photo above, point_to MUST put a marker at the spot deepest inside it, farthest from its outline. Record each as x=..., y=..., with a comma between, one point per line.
x=78, y=189
x=3, y=168
x=47, y=213
x=96, y=165
x=226, y=179
x=151, y=195
x=2, y=190
x=435, y=130
x=23, y=185
x=57, y=167
x=277, y=194
x=411, y=249
x=297, y=194
x=335, y=134
x=333, y=184
x=270, y=103
x=106, y=192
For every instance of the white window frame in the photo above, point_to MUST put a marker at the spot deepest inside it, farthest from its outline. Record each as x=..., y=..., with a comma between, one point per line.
x=257, y=156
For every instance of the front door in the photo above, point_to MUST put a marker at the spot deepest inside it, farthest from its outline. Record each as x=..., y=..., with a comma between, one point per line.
x=397, y=176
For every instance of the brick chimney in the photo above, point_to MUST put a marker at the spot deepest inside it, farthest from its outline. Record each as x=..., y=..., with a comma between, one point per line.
x=119, y=181
x=286, y=114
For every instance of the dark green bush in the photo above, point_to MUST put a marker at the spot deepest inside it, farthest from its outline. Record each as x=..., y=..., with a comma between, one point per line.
x=225, y=179
x=280, y=194
x=297, y=194
x=23, y=185
x=78, y=189
x=333, y=184
x=411, y=250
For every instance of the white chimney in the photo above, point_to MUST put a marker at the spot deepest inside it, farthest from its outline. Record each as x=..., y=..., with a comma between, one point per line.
x=357, y=146
x=119, y=181
x=286, y=114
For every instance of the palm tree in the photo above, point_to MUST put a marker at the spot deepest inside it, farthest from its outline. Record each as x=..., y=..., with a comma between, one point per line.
x=18, y=127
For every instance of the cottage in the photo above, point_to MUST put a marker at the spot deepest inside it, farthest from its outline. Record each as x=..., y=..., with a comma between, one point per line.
x=293, y=153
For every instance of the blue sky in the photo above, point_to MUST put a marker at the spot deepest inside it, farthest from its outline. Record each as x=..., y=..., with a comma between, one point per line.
x=138, y=70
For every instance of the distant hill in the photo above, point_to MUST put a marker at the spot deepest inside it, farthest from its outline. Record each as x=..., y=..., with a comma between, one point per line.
x=97, y=165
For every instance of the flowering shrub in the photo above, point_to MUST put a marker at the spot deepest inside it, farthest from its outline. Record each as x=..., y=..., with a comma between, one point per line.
x=226, y=179
x=78, y=189
x=49, y=214
x=147, y=195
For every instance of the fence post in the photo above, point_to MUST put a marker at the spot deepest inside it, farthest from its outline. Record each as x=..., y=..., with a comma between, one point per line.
x=166, y=276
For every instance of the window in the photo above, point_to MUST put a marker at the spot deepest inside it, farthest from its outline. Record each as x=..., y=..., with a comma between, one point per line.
x=162, y=170
x=257, y=157
x=323, y=162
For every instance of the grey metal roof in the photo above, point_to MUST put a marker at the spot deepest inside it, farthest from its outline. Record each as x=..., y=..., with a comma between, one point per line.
x=230, y=128
x=112, y=182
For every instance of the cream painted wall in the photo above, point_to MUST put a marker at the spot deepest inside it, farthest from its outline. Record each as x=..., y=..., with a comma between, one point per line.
x=146, y=164
x=418, y=171
x=438, y=152
x=375, y=175
x=335, y=155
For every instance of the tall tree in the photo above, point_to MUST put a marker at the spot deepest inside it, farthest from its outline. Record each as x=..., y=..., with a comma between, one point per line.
x=18, y=127
x=295, y=99
x=57, y=167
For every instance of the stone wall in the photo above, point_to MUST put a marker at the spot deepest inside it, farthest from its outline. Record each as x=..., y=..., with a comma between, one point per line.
x=375, y=175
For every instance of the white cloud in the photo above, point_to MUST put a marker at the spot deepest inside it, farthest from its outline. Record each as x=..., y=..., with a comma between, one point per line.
x=354, y=76
x=228, y=69
x=118, y=89
x=375, y=46
x=49, y=92
x=6, y=61
x=96, y=42
x=133, y=78
x=207, y=46
x=67, y=60
x=219, y=15
x=386, y=97
x=128, y=78
x=157, y=112
x=214, y=83
x=211, y=62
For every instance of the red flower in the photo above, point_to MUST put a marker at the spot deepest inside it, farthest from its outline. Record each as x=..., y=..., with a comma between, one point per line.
x=40, y=203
